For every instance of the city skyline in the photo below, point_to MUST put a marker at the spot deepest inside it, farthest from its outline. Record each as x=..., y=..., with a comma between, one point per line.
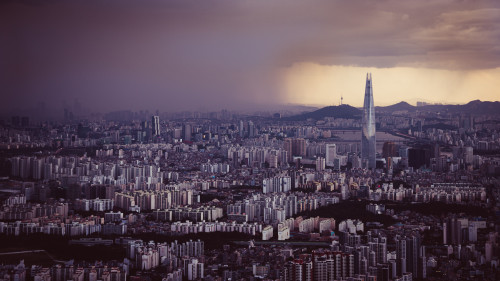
x=220, y=140
x=245, y=55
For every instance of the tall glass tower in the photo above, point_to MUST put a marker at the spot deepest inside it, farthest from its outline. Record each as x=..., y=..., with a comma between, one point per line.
x=368, y=145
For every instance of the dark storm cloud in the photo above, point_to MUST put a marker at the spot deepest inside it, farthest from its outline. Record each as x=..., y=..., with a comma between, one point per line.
x=172, y=55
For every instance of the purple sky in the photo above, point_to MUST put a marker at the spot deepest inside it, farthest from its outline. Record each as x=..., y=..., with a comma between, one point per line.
x=174, y=55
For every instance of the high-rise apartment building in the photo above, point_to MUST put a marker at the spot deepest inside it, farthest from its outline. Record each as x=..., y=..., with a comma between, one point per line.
x=330, y=153
x=186, y=132
x=276, y=184
x=193, y=269
x=368, y=143
x=242, y=129
x=320, y=164
x=155, y=126
x=295, y=147
x=251, y=129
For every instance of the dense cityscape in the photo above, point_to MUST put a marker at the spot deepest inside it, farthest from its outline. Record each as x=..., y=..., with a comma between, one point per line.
x=388, y=193
x=234, y=140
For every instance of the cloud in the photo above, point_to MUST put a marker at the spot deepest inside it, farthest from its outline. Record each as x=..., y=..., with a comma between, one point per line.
x=175, y=55
x=463, y=39
x=314, y=84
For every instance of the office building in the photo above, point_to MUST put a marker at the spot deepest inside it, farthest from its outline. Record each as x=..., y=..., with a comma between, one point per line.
x=368, y=143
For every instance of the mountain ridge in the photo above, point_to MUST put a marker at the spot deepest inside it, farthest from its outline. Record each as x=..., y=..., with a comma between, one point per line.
x=346, y=111
x=472, y=107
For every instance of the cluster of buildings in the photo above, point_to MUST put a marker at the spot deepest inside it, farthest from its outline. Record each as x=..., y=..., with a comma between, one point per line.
x=451, y=193
x=200, y=214
x=90, y=272
x=22, y=210
x=141, y=174
x=153, y=199
x=207, y=227
x=277, y=207
x=183, y=261
x=77, y=227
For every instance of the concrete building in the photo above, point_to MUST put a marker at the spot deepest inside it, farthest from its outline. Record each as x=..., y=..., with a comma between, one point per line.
x=267, y=232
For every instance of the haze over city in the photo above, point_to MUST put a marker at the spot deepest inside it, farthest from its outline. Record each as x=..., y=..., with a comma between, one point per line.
x=232, y=140
x=211, y=55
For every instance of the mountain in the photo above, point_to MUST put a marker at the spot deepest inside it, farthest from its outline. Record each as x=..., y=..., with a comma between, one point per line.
x=347, y=111
x=473, y=107
x=401, y=106
x=477, y=107
x=341, y=111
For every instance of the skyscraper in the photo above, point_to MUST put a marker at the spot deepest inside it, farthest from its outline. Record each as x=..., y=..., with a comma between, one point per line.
x=241, y=129
x=155, y=125
x=368, y=149
x=251, y=129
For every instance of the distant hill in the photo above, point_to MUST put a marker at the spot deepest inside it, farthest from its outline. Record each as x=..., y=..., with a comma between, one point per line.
x=341, y=111
x=473, y=107
x=347, y=111
x=401, y=106
x=476, y=107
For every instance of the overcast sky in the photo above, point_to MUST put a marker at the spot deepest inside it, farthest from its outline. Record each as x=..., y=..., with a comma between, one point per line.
x=174, y=55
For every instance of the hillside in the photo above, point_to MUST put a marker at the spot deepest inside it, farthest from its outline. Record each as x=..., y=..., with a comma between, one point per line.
x=401, y=106
x=341, y=111
x=473, y=107
x=349, y=112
